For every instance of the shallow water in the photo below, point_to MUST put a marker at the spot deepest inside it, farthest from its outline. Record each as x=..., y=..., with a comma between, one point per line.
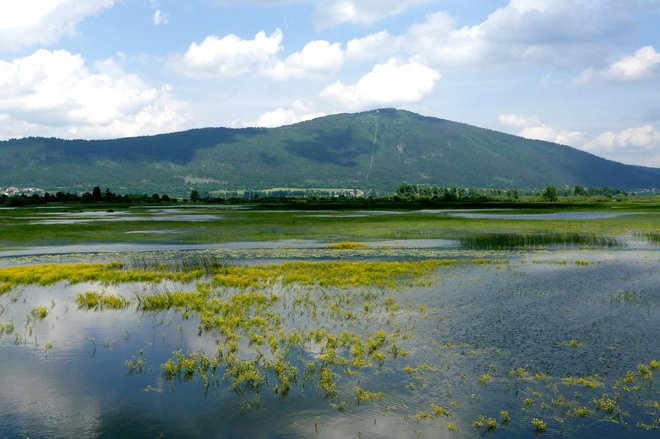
x=478, y=319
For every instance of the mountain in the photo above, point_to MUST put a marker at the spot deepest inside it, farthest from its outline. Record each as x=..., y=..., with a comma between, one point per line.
x=371, y=150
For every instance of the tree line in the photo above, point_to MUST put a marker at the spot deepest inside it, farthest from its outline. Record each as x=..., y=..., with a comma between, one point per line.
x=405, y=192
x=95, y=196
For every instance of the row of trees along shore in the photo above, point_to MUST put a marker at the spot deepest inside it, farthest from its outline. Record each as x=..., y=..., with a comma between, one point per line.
x=404, y=192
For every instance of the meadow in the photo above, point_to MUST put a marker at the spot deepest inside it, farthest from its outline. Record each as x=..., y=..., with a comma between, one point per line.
x=225, y=321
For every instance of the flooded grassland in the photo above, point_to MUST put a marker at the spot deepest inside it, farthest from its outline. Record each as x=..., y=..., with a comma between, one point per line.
x=414, y=324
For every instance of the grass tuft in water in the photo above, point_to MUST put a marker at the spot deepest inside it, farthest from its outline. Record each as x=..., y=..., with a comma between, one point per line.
x=347, y=245
x=99, y=301
x=39, y=312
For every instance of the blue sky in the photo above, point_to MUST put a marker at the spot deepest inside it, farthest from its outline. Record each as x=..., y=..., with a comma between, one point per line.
x=585, y=73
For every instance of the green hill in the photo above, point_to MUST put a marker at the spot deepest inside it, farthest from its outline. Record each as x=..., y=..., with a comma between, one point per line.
x=370, y=150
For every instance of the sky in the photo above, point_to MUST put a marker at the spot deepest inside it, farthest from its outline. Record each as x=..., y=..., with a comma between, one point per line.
x=584, y=73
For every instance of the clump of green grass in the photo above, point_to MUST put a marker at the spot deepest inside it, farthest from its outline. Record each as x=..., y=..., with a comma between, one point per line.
x=365, y=395
x=539, y=424
x=172, y=299
x=581, y=412
x=39, y=312
x=136, y=364
x=589, y=382
x=5, y=287
x=99, y=301
x=347, y=245
x=573, y=343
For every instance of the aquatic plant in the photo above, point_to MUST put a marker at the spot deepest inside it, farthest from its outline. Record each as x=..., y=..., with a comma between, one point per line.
x=172, y=299
x=184, y=262
x=438, y=410
x=581, y=412
x=507, y=241
x=589, y=382
x=6, y=328
x=645, y=371
x=364, y=395
x=571, y=343
x=347, y=245
x=539, y=424
x=136, y=364
x=606, y=404
x=99, y=301
x=5, y=287
x=39, y=312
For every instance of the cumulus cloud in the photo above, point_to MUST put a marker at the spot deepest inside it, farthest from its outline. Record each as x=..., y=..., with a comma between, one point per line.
x=29, y=22
x=646, y=137
x=369, y=47
x=229, y=56
x=286, y=116
x=391, y=83
x=531, y=127
x=564, y=33
x=642, y=65
x=316, y=58
x=519, y=120
x=330, y=13
x=550, y=134
x=639, y=145
x=54, y=93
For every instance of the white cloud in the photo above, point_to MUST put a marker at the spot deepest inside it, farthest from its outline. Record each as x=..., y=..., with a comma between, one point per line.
x=642, y=65
x=640, y=146
x=54, y=93
x=286, y=116
x=646, y=137
x=519, y=120
x=369, y=47
x=331, y=13
x=531, y=127
x=564, y=33
x=229, y=56
x=386, y=84
x=30, y=22
x=160, y=18
x=316, y=58
x=550, y=134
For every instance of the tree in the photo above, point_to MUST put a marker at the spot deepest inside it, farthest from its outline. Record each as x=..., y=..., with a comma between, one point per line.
x=580, y=190
x=550, y=193
x=96, y=193
x=194, y=195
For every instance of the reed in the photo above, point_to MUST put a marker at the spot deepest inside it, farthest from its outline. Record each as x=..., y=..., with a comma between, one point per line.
x=509, y=241
x=186, y=262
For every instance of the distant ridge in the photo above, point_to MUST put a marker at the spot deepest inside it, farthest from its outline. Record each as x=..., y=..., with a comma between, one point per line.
x=370, y=150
